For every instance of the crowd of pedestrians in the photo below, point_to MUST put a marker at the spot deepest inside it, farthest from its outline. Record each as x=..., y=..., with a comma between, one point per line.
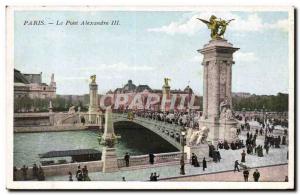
x=82, y=174
x=23, y=174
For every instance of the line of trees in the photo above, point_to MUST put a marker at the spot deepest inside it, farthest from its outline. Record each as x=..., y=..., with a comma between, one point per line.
x=271, y=103
x=59, y=104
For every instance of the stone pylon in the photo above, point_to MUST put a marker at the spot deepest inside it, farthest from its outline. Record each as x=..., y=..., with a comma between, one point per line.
x=217, y=81
x=93, y=106
x=166, y=96
x=109, y=132
x=51, y=113
x=109, y=157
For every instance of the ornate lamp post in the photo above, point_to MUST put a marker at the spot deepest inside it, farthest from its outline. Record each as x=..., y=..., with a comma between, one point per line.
x=244, y=113
x=263, y=112
x=182, y=171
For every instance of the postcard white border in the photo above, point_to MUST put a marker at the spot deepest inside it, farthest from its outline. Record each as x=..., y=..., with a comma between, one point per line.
x=140, y=185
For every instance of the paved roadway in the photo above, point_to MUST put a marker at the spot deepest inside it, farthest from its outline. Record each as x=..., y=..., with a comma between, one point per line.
x=267, y=174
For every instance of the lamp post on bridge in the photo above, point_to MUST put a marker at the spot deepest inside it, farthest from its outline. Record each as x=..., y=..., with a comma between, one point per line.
x=263, y=112
x=244, y=114
x=182, y=164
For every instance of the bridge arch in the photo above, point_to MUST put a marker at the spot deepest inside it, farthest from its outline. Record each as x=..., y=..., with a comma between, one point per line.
x=139, y=137
x=166, y=131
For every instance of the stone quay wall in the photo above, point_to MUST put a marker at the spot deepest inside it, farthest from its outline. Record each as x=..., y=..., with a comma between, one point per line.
x=47, y=118
x=32, y=129
x=144, y=159
x=97, y=166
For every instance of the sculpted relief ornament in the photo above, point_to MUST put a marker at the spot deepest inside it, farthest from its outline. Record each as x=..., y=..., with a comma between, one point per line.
x=71, y=110
x=197, y=137
x=225, y=110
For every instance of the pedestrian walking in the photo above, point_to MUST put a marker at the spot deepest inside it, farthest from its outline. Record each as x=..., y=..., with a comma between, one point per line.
x=155, y=176
x=85, y=174
x=24, y=172
x=195, y=162
x=34, y=171
x=41, y=175
x=267, y=149
x=246, y=174
x=126, y=158
x=151, y=158
x=79, y=175
x=243, y=154
x=204, y=164
x=236, y=166
x=151, y=177
x=70, y=176
x=256, y=175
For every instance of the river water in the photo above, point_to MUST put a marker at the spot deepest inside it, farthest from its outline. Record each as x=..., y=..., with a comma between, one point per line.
x=135, y=140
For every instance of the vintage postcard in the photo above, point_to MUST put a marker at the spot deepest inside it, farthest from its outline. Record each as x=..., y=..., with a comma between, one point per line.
x=150, y=97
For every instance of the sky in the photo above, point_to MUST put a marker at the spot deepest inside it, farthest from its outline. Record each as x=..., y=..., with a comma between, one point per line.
x=148, y=46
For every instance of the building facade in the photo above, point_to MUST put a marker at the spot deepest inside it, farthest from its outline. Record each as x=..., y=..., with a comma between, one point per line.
x=31, y=85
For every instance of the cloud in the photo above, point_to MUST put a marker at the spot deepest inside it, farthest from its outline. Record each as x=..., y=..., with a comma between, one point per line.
x=281, y=24
x=197, y=58
x=191, y=25
x=119, y=67
x=244, y=56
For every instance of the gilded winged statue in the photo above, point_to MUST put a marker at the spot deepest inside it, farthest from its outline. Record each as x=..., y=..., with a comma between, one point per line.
x=167, y=81
x=216, y=26
x=93, y=78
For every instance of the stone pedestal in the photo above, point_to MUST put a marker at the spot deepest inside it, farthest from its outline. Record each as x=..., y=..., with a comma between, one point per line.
x=217, y=77
x=200, y=151
x=220, y=130
x=110, y=160
x=51, y=118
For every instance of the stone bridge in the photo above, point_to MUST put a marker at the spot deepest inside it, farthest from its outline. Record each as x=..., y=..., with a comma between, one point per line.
x=169, y=132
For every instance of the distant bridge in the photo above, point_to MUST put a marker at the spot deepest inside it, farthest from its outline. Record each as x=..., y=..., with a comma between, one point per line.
x=167, y=131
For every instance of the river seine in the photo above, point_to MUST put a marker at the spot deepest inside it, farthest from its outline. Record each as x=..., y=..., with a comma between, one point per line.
x=135, y=140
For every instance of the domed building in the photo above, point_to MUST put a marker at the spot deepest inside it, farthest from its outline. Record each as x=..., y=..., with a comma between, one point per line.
x=188, y=90
x=129, y=87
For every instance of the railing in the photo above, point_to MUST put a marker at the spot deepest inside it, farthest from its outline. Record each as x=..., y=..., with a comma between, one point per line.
x=31, y=114
x=144, y=159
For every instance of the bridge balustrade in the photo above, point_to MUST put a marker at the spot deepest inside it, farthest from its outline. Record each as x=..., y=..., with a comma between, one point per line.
x=144, y=159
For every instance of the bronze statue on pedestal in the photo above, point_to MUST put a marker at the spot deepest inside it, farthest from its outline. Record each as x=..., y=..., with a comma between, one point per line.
x=217, y=26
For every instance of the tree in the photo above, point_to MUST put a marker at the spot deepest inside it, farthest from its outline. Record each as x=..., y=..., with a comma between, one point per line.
x=278, y=103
